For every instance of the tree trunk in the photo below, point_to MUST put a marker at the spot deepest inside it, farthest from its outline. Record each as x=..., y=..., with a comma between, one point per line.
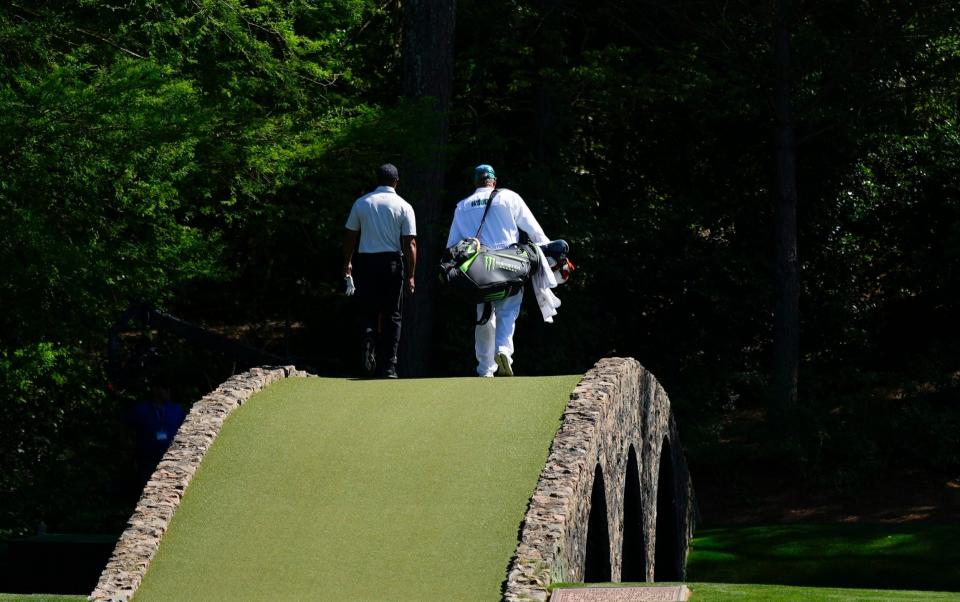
x=786, y=336
x=428, y=29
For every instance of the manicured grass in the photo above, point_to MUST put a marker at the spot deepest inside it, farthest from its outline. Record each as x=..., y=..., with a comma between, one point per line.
x=724, y=592
x=916, y=556
x=330, y=489
x=40, y=598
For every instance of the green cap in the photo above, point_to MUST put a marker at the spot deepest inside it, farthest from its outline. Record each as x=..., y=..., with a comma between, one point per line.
x=483, y=172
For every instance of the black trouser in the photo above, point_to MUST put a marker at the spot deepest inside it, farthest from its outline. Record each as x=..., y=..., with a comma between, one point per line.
x=379, y=281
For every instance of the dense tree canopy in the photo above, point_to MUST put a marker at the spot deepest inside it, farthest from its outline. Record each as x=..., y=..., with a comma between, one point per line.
x=202, y=156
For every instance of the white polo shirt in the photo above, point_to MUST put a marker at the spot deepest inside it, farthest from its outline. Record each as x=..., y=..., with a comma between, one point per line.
x=382, y=217
x=507, y=216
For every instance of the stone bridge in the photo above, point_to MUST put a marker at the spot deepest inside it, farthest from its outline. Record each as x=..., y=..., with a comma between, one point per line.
x=614, y=501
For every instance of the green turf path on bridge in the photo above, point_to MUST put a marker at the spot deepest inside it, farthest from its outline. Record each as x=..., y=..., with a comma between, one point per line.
x=334, y=489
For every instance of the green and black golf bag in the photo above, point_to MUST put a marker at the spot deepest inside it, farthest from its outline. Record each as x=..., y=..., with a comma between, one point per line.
x=482, y=275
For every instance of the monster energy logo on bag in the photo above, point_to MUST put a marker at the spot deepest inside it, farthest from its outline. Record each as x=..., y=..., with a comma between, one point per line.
x=492, y=262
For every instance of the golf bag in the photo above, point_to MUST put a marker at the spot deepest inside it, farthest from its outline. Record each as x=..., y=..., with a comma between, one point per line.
x=482, y=275
x=556, y=252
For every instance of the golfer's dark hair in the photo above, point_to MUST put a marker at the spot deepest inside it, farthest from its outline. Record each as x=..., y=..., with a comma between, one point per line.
x=387, y=174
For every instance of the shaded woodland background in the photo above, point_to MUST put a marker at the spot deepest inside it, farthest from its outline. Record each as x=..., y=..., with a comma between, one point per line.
x=201, y=156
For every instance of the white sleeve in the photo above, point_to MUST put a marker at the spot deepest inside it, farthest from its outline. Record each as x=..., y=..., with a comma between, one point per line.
x=528, y=223
x=455, y=233
x=353, y=221
x=409, y=225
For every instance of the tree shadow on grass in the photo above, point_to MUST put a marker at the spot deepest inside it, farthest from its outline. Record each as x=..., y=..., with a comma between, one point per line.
x=920, y=556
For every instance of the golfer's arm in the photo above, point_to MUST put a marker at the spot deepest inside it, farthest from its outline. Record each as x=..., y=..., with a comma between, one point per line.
x=409, y=254
x=349, y=244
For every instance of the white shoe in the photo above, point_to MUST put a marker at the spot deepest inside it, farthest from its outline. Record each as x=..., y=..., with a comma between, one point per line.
x=487, y=375
x=503, y=365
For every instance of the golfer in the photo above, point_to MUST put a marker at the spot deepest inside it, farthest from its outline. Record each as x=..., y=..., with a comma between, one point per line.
x=507, y=216
x=386, y=227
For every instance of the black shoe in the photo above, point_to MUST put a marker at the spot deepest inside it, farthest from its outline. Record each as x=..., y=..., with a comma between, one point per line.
x=390, y=372
x=368, y=349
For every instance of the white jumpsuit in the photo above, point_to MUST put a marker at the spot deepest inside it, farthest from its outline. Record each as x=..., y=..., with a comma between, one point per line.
x=507, y=216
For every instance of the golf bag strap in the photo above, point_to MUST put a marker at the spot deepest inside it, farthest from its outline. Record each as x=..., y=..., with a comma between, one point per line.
x=487, y=312
x=486, y=210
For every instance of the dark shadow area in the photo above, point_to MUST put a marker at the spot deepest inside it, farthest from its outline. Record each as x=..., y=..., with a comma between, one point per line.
x=596, y=565
x=634, y=557
x=666, y=566
x=54, y=563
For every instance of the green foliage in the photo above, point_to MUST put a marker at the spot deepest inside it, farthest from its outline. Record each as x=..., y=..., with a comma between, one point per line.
x=202, y=156
x=147, y=150
x=90, y=194
x=58, y=439
x=644, y=135
x=859, y=427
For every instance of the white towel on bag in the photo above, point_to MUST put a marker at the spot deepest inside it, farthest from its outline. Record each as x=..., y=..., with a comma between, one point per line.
x=543, y=280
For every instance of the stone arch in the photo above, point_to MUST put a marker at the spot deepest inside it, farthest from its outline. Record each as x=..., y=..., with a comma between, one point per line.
x=666, y=564
x=634, y=555
x=596, y=561
x=615, y=425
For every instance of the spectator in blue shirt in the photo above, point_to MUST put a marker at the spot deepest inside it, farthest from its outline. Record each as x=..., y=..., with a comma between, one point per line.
x=155, y=423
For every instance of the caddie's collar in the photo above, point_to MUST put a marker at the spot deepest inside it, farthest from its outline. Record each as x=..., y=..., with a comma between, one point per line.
x=386, y=189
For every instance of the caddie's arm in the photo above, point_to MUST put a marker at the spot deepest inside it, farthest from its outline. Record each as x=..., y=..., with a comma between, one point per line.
x=529, y=224
x=349, y=244
x=409, y=244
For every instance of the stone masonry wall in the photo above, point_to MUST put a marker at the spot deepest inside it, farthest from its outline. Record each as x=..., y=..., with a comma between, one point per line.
x=618, y=404
x=164, y=490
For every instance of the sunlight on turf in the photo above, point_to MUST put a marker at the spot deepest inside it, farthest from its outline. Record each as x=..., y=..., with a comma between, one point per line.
x=336, y=489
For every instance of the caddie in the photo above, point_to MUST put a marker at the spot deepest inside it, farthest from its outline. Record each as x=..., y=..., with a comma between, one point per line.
x=508, y=215
x=384, y=266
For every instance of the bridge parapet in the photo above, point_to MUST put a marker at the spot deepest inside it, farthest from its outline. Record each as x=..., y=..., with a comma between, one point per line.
x=163, y=492
x=615, y=482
